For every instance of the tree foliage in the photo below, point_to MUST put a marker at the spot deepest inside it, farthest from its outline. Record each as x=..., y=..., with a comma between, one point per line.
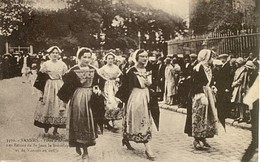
x=220, y=15
x=13, y=13
x=93, y=23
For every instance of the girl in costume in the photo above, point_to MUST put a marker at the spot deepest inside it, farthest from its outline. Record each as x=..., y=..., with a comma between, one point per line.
x=49, y=81
x=135, y=92
x=81, y=84
x=111, y=73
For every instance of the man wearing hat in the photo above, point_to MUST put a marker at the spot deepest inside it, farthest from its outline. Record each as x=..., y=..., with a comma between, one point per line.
x=193, y=59
x=6, y=65
x=251, y=75
x=223, y=85
x=251, y=67
x=160, y=70
x=151, y=65
x=185, y=82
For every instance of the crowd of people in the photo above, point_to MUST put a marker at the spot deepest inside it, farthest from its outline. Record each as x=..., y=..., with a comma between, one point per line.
x=19, y=63
x=86, y=93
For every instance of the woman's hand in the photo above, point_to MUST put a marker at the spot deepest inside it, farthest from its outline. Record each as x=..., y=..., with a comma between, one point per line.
x=62, y=108
x=64, y=104
x=214, y=89
x=96, y=90
x=41, y=100
x=147, y=82
x=44, y=70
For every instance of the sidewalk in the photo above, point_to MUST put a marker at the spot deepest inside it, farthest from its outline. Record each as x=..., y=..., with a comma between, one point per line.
x=184, y=111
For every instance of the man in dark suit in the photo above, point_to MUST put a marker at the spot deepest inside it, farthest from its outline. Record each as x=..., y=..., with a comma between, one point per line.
x=224, y=90
x=160, y=70
x=184, y=83
x=6, y=65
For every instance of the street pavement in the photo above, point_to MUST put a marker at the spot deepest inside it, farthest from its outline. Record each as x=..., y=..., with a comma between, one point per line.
x=229, y=121
x=22, y=141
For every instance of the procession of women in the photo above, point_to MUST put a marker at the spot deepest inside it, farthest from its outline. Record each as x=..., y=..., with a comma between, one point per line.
x=87, y=98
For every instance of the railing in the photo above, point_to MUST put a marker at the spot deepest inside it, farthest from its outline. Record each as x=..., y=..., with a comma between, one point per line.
x=240, y=44
x=18, y=49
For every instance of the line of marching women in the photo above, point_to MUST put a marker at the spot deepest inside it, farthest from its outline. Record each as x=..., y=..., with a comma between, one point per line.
x=84, y=98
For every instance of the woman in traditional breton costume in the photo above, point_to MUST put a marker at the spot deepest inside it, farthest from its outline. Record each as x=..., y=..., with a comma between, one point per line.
x=111, y=73
x=135, y=92
x=204, y=113
x=81, y=90
x=49, y=81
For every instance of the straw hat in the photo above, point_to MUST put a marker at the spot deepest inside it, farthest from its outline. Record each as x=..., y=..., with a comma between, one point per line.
x=152, y=58
x=240, y=60
x=193, y=55
x=250, y=65
x=222, y=55
x=217, y=62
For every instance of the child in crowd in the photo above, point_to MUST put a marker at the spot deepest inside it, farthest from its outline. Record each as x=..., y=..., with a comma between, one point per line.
x=32, y=77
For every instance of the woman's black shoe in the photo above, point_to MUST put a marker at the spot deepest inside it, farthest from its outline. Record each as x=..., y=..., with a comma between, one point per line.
x=126, y=142
x=78, y=150
x=241, y=120
x=205, y=144
x=46, y=130
x=109, y=127
x=150, y=157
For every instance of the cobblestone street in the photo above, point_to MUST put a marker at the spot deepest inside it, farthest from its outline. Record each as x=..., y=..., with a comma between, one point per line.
x=21, y=140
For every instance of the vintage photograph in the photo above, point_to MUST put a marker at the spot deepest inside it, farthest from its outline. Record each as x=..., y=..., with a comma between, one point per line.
x=129, y=80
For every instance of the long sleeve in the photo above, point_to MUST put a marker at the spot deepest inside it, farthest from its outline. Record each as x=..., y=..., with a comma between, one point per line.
x=64, y=68
x=199, y=80
x=239, y=81
x=41, y=81
x=71, y=83
x=99, y=81
x=129, y=81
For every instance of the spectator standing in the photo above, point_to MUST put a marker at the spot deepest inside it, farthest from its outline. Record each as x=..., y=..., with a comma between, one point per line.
x=241, y=85
x=223, y=85
x=184, y=82
x=193, y=59
x=169, y=90
x=26, y=65
x=160, y=71
x=176, y=70
x=6, y=65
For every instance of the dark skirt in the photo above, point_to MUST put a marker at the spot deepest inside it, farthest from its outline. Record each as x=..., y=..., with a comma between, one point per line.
x=81, y=123
x=188, y=124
